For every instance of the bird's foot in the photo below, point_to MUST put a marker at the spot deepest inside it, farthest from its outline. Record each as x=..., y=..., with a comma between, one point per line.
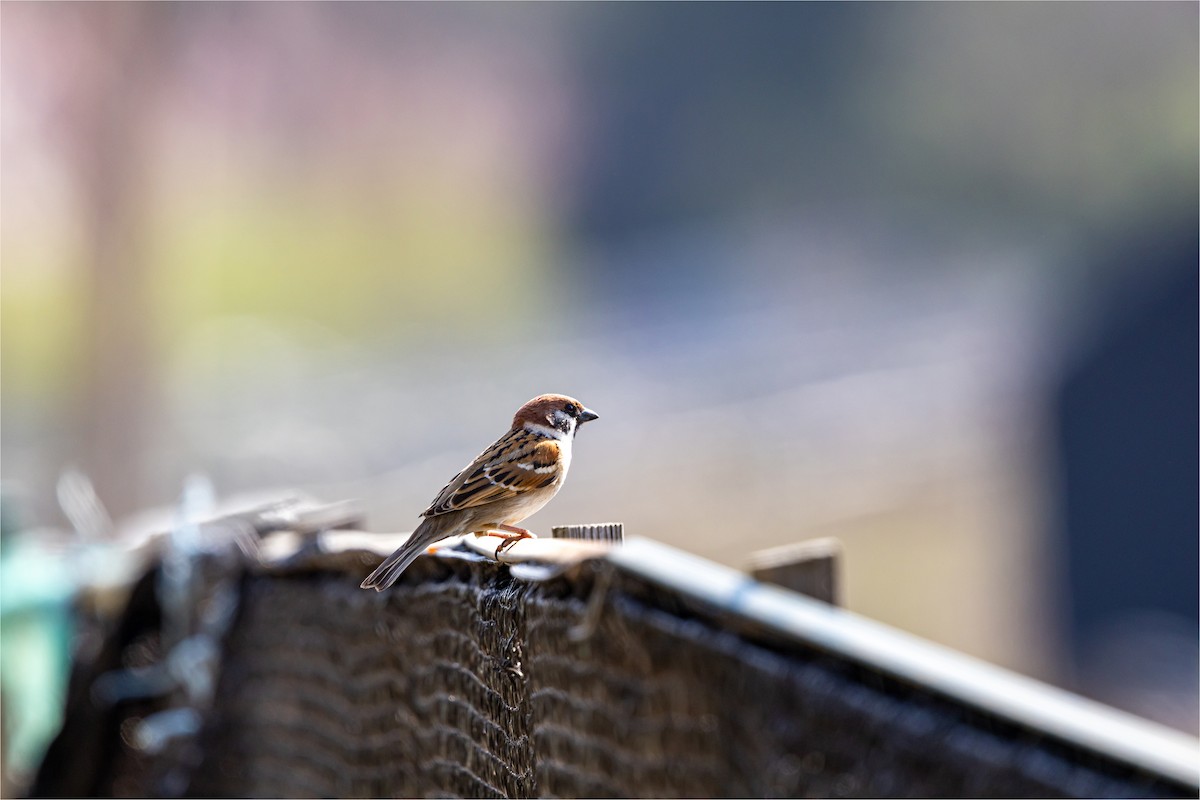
x=511, y=536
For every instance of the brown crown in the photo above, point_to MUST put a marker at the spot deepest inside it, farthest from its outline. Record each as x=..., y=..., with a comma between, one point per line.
x=541, y=408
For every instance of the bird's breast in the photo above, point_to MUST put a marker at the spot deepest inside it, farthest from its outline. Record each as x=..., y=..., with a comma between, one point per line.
x=529, y=503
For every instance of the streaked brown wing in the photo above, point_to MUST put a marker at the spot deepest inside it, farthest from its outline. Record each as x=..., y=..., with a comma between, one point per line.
x=518, y=462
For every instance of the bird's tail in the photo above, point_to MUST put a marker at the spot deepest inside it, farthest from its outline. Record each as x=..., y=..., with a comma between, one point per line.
x=386, y=573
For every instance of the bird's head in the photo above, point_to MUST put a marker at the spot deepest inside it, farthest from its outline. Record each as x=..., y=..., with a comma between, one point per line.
x=558, y=414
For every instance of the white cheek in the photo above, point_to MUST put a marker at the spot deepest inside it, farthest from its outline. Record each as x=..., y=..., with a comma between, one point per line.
x=544, y=430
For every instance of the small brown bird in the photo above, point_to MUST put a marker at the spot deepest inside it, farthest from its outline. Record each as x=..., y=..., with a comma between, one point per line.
x=506, y=483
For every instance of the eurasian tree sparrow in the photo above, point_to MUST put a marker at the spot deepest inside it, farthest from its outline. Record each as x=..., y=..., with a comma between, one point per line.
x=506, y=483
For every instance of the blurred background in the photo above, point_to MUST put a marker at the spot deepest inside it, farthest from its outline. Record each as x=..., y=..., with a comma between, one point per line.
x=919, y=277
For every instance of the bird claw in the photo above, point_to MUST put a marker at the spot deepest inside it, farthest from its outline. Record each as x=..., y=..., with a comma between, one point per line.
x=509, y=540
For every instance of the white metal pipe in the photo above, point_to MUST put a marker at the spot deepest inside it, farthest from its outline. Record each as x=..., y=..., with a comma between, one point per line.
x=1018, y=698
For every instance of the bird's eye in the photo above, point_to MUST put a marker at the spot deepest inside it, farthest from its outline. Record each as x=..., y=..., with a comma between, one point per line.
x=571, y=409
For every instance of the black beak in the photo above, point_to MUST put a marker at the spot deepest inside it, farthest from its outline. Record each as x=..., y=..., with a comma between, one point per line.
x=587, y=415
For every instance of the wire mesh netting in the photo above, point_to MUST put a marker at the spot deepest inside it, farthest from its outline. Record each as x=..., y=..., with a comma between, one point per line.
x=464, y=681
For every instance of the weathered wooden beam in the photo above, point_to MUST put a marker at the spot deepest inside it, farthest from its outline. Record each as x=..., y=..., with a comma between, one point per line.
x=810, y=568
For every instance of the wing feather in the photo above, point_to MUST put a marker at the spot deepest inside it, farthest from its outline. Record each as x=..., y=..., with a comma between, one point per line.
x=518, y=462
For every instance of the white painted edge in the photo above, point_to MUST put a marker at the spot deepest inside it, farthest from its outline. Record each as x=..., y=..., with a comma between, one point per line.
x=1024, y=700
x=555, y=551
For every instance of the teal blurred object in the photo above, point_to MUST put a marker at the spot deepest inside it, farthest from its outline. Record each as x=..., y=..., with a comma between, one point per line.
x=36, y=626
